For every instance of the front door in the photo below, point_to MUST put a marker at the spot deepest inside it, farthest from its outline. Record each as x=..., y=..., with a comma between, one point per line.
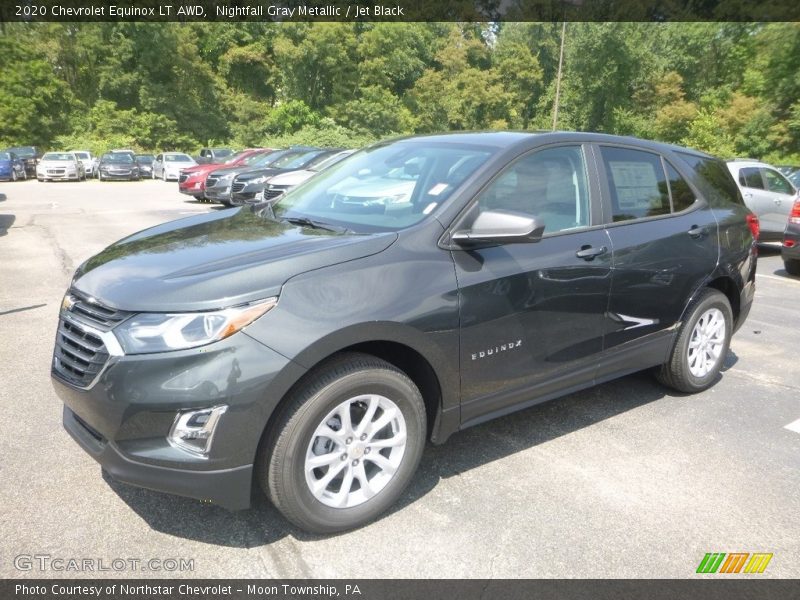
x=532, y=313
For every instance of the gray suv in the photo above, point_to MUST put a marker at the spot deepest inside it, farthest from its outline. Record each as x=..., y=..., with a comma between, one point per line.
x=313, y=345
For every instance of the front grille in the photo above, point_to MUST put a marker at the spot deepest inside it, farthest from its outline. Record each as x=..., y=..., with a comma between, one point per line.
x=55, y=171
x=80, y=354
x=237, y=187
x=211, y=181
x=273, y=193
x=183, y=178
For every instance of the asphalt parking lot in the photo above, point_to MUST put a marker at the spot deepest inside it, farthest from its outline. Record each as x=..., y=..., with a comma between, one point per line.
x=627, y=480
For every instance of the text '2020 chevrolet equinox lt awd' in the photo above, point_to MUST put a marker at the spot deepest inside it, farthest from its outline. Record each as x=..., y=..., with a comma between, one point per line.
x=416, y=288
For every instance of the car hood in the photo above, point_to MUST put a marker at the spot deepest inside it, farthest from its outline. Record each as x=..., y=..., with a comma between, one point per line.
x=256, y=173
x=214, y=260
x=200, y=169
x=118, y=163
x=55, y=163
x=292, y=178
x=178, y=165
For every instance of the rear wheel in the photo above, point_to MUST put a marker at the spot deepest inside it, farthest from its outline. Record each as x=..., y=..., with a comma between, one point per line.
x=345, y=445
x=701, y=345
x=13, y=175
x=792, y=266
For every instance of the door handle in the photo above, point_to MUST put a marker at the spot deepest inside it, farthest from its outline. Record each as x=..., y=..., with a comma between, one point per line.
x=778, y=201
x=588, y=253
x=748, y=195
x=697, y=232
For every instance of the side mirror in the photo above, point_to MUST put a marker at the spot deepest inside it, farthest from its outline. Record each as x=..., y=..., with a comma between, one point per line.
x=500, y=227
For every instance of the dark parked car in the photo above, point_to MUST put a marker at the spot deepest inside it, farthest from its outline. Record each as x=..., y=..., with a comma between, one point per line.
x=313, y=346
x=145, y=164
x=118, y=165
x=12, y=167
x=30, y=155
x=249, y=185
x=218, y=181
x=790, y=252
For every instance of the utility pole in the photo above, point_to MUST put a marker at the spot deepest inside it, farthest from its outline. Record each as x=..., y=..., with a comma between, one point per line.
x=558, y=76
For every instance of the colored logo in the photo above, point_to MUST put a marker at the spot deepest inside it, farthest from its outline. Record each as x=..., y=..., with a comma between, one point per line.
x=736, y=562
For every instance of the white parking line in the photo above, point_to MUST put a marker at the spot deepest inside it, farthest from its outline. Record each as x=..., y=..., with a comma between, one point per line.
x=793, y=426
x=778, y=278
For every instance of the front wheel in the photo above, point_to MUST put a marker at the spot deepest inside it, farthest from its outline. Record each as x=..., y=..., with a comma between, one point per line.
x=345, y=445
x=701, y=345
x=792, y=266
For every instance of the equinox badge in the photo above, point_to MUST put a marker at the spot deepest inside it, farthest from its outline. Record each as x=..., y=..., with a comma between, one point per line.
x=496, y=350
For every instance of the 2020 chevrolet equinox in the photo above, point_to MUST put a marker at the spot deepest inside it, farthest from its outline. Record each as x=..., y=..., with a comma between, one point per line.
x=418, y=287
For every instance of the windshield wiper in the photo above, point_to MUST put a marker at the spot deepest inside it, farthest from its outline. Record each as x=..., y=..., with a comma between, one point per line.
x=306, y=222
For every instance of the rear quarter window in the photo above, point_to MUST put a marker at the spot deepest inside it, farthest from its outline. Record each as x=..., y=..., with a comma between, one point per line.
x=713, y=179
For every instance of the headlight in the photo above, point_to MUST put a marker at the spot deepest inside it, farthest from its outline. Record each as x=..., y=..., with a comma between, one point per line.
x=226, y=177
x=262, y=179
x=158, y=332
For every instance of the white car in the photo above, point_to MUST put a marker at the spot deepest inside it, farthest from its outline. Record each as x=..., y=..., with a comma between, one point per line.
x=87, y=160
x=62, y=166
x=767, y=193
x=168, y=165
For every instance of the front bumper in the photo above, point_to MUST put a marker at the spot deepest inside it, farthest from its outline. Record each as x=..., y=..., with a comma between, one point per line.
x=248, y=194
x=218, y=194
x=129, y=176
x=192, y=188
x=124, y=418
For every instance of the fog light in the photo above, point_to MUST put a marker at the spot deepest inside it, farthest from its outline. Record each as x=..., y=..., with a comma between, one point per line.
x=193, y=430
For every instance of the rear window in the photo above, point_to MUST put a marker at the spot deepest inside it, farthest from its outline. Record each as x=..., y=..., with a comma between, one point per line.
x=714, y=179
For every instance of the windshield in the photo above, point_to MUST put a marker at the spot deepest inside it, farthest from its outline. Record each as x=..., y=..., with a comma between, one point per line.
x=84, y=155
x=295, y=159
x=58, y=156
x=178, y=158
x=323, y=162
x=257, y=159
x=23, y=151
x=5, y=156
x=221, y=152
x=118, y=157
x=267, y=160
x=383, y=188
x=144, y=157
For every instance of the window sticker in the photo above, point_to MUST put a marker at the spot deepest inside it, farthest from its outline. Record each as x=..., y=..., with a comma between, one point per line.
x=437, y=189
x=636, y=184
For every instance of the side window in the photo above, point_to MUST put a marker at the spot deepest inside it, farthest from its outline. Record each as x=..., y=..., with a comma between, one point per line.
x=751, y=177
x=637, y=183
x=158, y=158
x=777, y=182
x=682, y=195
x=714, y=179
x=549, y=184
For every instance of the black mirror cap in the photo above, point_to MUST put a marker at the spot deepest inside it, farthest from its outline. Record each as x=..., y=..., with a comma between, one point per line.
x=500, y=227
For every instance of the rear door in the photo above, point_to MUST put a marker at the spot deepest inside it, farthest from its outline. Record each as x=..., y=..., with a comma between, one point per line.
x=532, y=314
x=664, y=240
x=757, y=197
x=782, y=195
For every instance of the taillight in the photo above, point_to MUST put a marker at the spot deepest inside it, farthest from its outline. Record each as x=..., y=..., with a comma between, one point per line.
x=794, y=216
x=752, y=223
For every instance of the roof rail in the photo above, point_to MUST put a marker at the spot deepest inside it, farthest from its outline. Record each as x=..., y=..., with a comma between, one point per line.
x=742, y=158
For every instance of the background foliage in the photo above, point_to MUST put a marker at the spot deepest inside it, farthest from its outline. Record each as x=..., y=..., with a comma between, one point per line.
x=726, y=88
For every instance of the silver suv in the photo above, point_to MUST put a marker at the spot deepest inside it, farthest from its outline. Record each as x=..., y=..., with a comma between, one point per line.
x=767, y=193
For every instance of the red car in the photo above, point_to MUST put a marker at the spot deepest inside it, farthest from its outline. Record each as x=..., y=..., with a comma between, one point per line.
x=192, y=181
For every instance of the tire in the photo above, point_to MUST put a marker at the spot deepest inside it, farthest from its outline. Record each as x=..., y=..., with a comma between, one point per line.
x=13, y=174
x=24, y=175
x=360, y=383
x=703, y=314
x=792, y=266
x=163, y=175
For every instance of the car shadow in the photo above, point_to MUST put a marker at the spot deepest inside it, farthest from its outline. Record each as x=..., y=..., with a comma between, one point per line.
x=2, y=197
x=464, y=451
x=6, y=221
